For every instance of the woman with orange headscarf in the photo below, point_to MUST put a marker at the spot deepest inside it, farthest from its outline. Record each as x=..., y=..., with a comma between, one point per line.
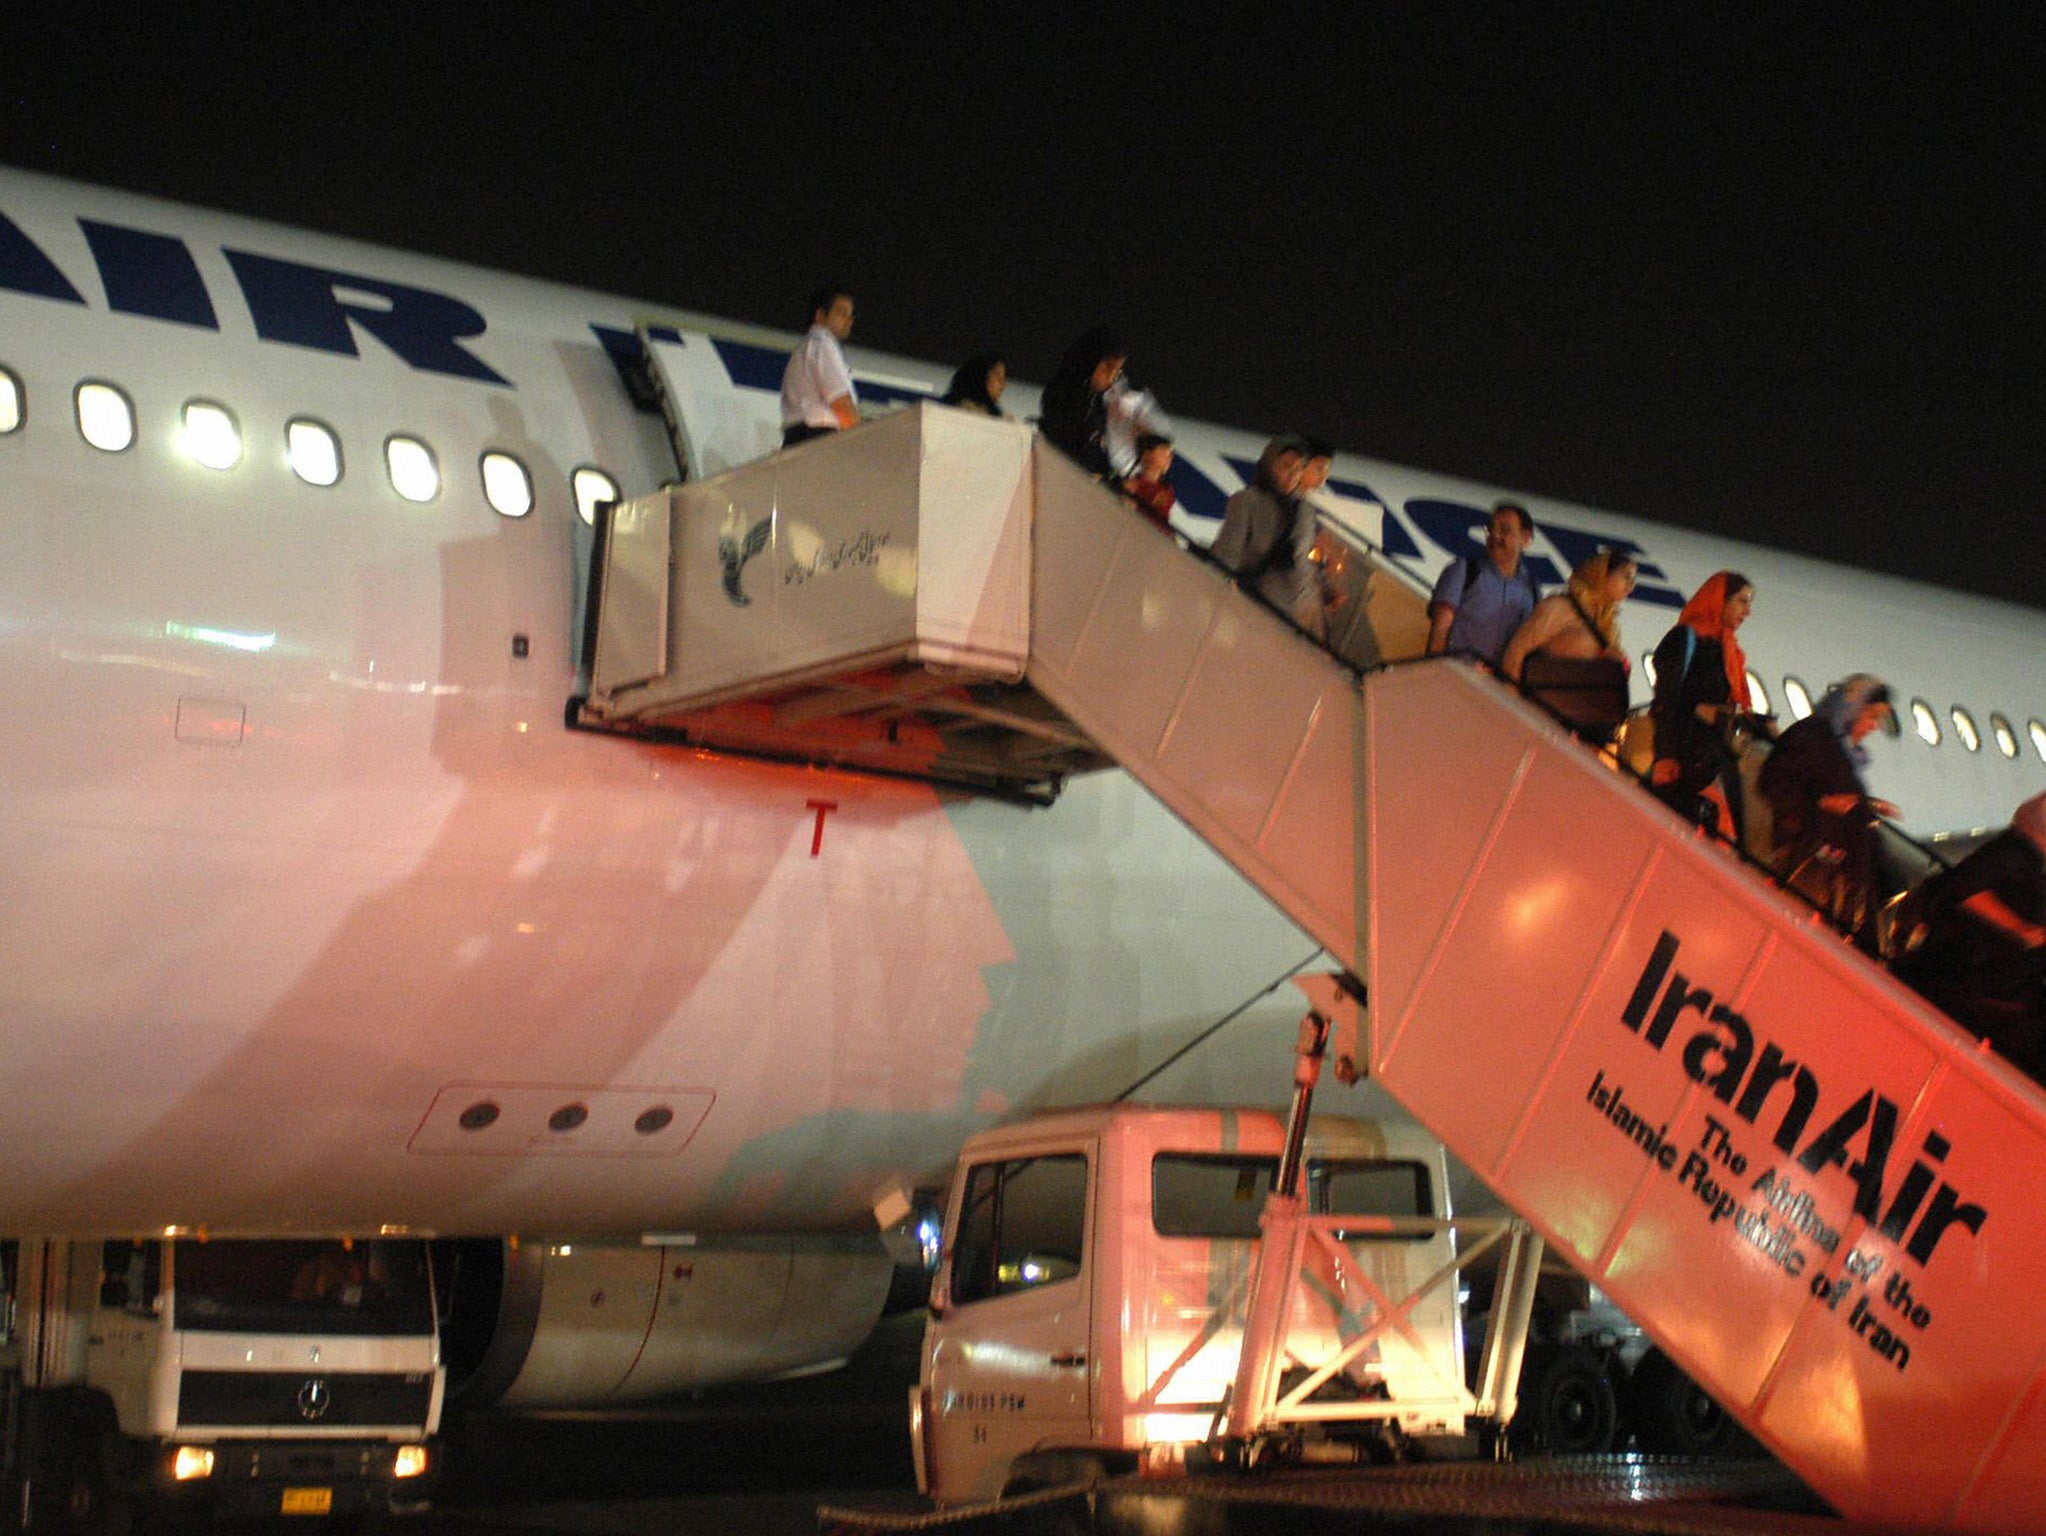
x=1701, y=683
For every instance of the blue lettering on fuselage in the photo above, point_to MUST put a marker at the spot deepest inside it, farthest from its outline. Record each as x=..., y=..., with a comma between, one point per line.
x=25, y=269
x=1246, y=469
x=1393, y=536
x=1456, y=528
x=154, y=275
x=629, y=358
x=316, y=307
x=747, y=365
x=751, y=367
x=149, y=274
x=1198, y=496
x=755, y=367
x=1652, y=582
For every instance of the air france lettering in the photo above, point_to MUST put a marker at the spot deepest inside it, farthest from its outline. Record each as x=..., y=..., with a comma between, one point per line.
x=1720, y=1052
x=153, y=275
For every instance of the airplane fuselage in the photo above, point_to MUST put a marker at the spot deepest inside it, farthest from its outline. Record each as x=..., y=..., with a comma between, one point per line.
x=304, y=869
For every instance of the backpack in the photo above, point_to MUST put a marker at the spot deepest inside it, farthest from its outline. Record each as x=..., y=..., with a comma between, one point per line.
x=1279, y=554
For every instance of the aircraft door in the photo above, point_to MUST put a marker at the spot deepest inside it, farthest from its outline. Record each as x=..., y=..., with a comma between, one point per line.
x=712, y=427
x=1009, y=1355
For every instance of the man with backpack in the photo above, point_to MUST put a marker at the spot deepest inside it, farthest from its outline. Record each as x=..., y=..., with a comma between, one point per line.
x=1267, y=536
x=1480, y=600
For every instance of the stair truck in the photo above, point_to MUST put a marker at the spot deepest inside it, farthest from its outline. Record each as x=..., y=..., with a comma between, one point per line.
x=1129, y=1288
x=235, y=1378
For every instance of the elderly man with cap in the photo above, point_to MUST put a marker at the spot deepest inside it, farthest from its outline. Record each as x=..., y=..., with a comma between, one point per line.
x=1267, y=537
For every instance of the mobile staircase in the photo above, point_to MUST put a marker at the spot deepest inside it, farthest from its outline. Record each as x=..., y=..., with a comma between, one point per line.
x=1812, y=1189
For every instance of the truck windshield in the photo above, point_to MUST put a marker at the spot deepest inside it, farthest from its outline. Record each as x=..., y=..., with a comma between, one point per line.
x=1220, y=1196
x=306, y=1285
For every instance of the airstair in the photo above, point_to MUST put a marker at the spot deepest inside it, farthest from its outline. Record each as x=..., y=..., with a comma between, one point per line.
x=1813, y=1190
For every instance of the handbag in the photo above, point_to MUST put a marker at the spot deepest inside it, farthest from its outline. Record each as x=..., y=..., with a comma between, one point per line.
x=1587, y=693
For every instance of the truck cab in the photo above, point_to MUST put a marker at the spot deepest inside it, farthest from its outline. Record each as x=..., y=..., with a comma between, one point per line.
x=1087, y=1313
x=239, y=1377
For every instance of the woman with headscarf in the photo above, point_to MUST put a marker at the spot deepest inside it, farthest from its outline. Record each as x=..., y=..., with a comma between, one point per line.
x=978, y=384
x=1983, y=958
x=1825, y=816
x=1074, y=416
x=1567, y=655
x=1701, y=683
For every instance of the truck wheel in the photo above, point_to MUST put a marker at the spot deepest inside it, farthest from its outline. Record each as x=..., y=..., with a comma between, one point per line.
x=1672, y=1415
x=77, y=1495
x=1034, y=1471
x=67, y=1491
x=1567, y=1403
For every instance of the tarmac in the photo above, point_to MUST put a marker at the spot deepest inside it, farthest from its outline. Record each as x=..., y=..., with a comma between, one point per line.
x=764, y=1461
x=753, y=1460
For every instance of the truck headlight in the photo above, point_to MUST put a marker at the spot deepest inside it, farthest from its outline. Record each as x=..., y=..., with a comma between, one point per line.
x=190, y=1462
x=409, y=1462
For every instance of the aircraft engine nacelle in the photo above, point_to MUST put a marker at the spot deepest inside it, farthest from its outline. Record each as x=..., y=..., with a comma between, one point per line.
x=576, y=1324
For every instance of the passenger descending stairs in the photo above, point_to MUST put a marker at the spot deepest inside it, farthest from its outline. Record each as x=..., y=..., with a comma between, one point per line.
x=1815, y=1192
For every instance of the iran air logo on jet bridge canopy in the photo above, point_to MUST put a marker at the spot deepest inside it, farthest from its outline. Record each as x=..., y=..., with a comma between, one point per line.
x=734, y=552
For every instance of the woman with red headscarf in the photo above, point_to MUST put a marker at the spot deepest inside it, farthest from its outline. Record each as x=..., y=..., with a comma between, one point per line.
x=1701, y=683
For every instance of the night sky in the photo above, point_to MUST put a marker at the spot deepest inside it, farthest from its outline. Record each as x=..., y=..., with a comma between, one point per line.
x=1778, y=279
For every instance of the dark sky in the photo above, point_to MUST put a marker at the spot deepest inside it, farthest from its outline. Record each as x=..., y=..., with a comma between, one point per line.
x=1700, y=264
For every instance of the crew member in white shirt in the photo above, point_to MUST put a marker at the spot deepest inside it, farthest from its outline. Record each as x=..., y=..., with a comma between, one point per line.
x=817, y=389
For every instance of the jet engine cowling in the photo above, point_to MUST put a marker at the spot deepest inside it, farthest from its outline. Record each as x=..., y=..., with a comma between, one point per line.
x=580, y=1325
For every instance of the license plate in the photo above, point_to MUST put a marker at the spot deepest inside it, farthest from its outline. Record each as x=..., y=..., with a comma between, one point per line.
x=307, y=1501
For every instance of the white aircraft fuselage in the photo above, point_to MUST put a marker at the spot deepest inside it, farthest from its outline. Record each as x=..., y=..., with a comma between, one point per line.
x=302, y=863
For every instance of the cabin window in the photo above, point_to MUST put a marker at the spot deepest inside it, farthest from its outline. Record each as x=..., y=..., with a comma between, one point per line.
x=211, y=434
x=1964, y=727
x=314, y=451
x=13, y=404
x=1798, y=698
x=106, y=419
x=1759, y=694
x=359, y=1287
x=506, y=485
x=1369, y=1187
x=1021, y=1226
x=1648, y=667
x=1220, y=1196
x=1198, y=1196
x=2006, y=739
x=592, y=489
x=130, y=1276
x=1926, y=721
x=2038, y=733
x=414, y=473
